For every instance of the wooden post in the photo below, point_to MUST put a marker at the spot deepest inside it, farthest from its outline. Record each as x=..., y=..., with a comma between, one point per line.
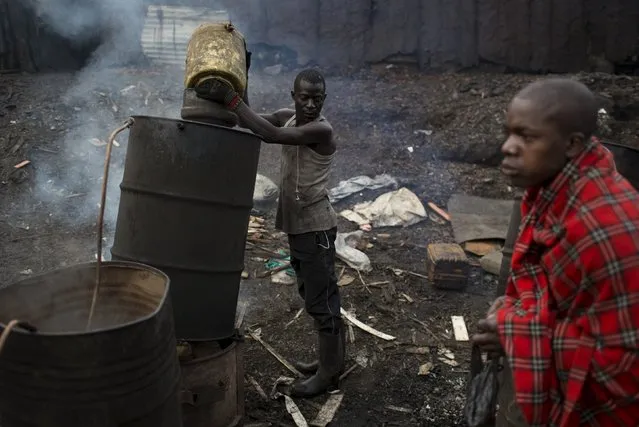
x=511, y=237
x=18, y=30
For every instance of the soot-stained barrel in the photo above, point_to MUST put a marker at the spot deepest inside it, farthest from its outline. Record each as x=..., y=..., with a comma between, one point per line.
x=186, y=198
x=123, y=372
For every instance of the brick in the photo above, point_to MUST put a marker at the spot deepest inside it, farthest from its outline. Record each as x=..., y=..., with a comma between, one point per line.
x=448, y=266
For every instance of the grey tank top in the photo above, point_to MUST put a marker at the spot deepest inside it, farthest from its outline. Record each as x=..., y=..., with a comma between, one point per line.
x=303, y=205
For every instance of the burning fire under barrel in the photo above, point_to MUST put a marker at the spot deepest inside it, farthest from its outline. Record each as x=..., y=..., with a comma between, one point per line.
x=186, y=199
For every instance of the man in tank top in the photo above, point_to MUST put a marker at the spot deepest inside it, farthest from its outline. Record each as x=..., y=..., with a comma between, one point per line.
x=304, y=211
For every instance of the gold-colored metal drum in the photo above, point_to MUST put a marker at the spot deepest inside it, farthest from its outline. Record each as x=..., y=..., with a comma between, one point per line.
x=216, y=49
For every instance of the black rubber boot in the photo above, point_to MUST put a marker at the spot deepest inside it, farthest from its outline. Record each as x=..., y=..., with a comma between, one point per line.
x=327, y=376
x=311, y=367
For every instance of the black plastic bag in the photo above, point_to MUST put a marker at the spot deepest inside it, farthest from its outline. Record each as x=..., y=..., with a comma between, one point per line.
x=481, y=398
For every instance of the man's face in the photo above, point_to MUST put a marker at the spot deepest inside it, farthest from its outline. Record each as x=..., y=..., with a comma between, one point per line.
x=309, y=100
x=534, y=151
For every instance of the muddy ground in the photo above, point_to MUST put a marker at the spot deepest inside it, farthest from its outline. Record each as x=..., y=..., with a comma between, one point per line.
x=437, y=134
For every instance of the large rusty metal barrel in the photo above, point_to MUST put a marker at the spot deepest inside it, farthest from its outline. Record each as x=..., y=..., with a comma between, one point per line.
x=123, y=372
x=186, y=199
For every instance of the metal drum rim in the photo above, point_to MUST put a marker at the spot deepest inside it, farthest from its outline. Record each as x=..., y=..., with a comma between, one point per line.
x=236, y=129
x=616, y=144
x=224, y=352
x=126, y=264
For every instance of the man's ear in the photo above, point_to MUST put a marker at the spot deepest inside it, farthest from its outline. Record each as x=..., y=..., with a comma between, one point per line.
x=576, y=144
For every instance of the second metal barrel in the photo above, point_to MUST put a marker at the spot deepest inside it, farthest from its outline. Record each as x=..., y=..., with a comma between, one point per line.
x=124, y=372
x=186, y=198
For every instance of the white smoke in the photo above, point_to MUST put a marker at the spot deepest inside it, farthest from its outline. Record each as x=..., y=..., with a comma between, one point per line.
x=109, y=89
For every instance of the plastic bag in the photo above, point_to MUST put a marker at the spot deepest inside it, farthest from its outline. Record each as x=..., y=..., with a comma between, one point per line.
x=481, y=398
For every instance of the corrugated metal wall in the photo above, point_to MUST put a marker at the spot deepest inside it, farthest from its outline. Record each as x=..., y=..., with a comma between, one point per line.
x=167, y=30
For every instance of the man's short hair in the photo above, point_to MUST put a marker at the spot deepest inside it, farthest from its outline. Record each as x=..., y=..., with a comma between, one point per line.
x=310, y=75
x=566, y=103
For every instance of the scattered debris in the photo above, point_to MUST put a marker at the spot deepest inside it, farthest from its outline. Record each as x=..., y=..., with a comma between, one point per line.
x=399, y=409
x=361, y=280
x=351, y=333
x=603, y=122
x=256, y=336
x=266, y=191
x=482, y=247
x=408, y=298
x=280, y=255
x=397, y=208
x=256, y=230
x=477, y=218
x=447, y=357
x=360, y=183
x=459, y=328
x=276, y=265
x=425, y=368
x=442, y=213
x=22, y=164
x=297, y=316
x=345, y=249
x=399, y=272
x=349, y=371
x=283, y=278
x=345, y=280
x=491, y=263
x=365, y=327
x=328, y=411
x=448, y=266
x=257, y=387
x=291, y=407
x=366, y=227
x=418, y=350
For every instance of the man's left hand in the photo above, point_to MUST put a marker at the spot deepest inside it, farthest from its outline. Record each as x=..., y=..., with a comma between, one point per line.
x=216, y=90
x=488, y=337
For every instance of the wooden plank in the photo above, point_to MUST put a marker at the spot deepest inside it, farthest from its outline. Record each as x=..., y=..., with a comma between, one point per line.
x=459, y=328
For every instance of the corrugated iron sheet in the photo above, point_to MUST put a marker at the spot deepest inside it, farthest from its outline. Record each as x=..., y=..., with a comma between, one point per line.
x=167, y=30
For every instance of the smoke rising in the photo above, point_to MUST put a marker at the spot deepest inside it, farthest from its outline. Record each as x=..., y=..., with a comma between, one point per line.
x=111, y=87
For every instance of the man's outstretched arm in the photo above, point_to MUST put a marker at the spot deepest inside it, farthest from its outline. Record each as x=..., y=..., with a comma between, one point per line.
x=311, y=133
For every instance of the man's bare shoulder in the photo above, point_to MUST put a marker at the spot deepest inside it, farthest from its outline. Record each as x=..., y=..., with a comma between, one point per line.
x=325, y=122
x=283, y=115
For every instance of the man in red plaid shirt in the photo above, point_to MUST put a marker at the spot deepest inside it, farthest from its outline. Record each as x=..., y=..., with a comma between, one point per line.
x=568, y=326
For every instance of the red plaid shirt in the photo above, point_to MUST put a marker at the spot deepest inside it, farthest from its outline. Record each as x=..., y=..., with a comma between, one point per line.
x=570, y=322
